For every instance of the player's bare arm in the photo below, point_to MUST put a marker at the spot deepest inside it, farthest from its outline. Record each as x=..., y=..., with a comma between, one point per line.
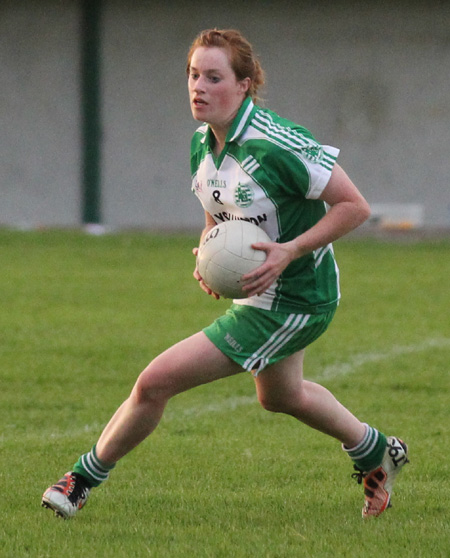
x=348, y=210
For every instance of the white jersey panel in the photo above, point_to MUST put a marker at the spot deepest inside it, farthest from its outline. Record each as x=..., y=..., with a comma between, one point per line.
x=230, y=193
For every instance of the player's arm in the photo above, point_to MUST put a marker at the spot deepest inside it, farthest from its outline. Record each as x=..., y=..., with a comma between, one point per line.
x=209, y=224
x=348, y=210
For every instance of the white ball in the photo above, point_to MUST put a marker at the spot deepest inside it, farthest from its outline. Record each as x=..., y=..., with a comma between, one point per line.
x=225, y=255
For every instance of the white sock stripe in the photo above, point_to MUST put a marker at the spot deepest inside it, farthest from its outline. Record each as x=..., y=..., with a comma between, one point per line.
x=374, y=443
x=98, y=463
x=366, y=453
x=363, y=441
x=94, y=460
x=97, y=473
x=368, y=446
x=93, y=465
x=88, y=469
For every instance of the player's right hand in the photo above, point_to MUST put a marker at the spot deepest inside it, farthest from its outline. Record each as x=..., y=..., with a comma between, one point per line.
x=199, y=278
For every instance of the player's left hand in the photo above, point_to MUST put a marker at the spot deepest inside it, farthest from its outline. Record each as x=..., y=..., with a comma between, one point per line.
x=279, y=256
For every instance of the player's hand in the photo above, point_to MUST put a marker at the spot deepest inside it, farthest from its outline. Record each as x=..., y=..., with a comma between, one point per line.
x=198, y=277
x=279, y=256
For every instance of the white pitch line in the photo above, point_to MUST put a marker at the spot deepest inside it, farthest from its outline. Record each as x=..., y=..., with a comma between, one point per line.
x=231, y=403
x=357, y=361
x=333, y=371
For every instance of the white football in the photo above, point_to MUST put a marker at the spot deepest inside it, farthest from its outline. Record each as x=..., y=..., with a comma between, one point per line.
x=226, y=254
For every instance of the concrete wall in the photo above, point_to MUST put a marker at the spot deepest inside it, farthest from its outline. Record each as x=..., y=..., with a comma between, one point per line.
x=39, y=139
x=372, y=80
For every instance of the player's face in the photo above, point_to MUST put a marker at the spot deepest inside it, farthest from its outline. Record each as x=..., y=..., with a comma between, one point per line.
x=214, y=92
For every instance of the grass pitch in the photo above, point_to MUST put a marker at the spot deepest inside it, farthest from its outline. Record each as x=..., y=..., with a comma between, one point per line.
x=81, y=317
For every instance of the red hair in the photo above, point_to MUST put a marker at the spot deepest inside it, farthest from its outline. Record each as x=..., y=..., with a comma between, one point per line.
x=243, y=61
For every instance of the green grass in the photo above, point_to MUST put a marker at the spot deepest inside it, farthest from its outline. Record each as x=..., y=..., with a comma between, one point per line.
x=82, y=315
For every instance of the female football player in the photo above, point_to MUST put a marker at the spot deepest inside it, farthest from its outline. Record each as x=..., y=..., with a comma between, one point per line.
x=248, y=163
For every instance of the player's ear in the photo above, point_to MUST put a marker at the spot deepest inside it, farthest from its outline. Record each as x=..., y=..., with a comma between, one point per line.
x=245, y=84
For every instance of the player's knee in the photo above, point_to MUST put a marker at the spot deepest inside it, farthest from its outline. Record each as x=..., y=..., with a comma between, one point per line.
x=289, y=403
x=150, y=387
x=270, y=406
x=274, y=405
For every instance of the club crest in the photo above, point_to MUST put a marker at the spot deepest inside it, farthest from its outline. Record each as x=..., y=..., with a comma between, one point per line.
x=243, y=195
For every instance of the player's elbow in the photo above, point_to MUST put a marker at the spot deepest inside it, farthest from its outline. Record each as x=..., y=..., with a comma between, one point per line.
x=364, y=210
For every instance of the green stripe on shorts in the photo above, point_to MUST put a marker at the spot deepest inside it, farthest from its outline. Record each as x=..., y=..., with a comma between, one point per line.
x=256, y=338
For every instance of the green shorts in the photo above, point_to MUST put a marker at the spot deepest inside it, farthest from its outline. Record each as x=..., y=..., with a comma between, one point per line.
x=256, y=338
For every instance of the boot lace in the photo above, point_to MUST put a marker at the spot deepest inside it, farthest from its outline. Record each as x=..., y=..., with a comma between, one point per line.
x=359, y=475
x=79, y=489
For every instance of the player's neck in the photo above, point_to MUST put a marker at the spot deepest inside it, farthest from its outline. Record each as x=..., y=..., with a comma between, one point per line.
x=219, y=141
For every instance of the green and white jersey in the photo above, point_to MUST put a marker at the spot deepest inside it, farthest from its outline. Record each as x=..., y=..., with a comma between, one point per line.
x=271, y=173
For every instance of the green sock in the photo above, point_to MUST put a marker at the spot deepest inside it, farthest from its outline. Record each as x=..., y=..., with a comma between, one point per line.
x=368, y=454
x=92, y=468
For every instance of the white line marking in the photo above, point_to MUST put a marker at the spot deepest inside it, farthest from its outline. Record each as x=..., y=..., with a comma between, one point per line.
x=229, y=404
x=357, y=361
x=333, y=371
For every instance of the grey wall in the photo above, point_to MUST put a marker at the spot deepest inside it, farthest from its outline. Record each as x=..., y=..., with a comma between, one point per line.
x=39, y=150
x=372, y=80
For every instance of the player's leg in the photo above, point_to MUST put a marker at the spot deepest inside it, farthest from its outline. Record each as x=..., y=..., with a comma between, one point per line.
x=281, y=388
x=190, y=363
x=187, y=364
x=377, y=459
